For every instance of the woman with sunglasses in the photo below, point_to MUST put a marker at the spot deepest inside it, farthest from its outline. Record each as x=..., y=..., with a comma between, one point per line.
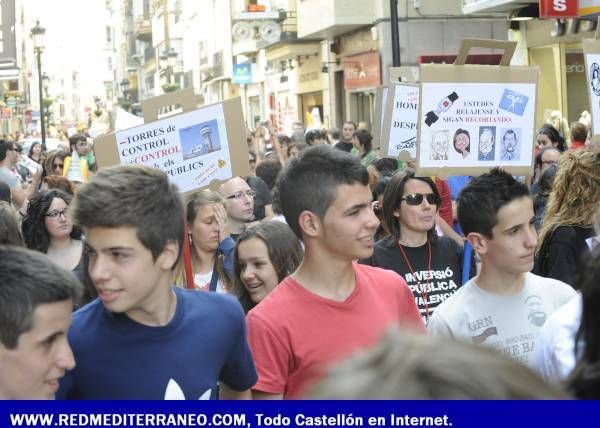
x=55, y=162
x=431, y=265
x=47, y=227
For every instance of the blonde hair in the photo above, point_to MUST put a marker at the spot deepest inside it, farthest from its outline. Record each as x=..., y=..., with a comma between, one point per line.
x=576, y=192
x=418, y=367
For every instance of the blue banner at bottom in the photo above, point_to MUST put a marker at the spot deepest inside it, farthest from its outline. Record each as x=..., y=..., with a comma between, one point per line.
x=253, y=414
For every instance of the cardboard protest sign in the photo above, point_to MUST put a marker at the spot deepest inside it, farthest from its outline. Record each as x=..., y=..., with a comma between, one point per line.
x=381, y=94
x=399, y=129
x=195, y=148
x=476, y=117
x=591, y=53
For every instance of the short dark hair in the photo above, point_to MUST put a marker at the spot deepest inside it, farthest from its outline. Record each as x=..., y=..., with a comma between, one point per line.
x=133, y=196
x=29, y=279
x=365, y=139
x=479, y=202
x=285, y=253
x=269, y=170
x=34, y=228
x=311, y=135
x=385, y=166
x=554, y=136
x=5, y=146
x=75, y=138
x=310, y=182
x=392, y=200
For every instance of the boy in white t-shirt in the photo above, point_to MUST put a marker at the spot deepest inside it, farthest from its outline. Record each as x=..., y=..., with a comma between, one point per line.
x=505, y=305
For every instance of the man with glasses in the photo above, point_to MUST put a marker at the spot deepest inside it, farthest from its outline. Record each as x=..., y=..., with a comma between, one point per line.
x=239, y=203
x=8, y=159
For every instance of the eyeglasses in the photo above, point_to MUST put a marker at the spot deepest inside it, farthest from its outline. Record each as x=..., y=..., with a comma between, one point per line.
x=239, y=195
x=549, y=162
x=58, y=165
x=417, y=199
x=54, y=215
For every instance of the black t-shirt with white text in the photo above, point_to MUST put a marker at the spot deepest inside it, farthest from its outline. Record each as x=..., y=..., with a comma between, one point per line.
x=430, y=287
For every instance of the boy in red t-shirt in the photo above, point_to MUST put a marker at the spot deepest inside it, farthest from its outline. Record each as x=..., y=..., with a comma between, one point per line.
x=330, y=307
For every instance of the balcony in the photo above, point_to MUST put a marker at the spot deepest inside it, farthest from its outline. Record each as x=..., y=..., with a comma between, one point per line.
x=322, y=19
x=142, y=28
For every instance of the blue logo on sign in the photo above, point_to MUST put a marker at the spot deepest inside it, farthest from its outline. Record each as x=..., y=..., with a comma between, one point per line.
x=242, y=74
x=513, y=102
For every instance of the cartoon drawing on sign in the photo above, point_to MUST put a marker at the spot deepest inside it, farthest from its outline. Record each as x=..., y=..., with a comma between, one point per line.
x=439, y=145
x=510, y=145
x=200, y=139
x=513, y=102
x=487, y=143
x=462, y=142
x=443, y=106
x=406, y=144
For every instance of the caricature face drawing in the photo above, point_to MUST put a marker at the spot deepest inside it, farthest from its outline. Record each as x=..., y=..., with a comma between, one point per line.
x=462, y=142
x=486, y=142
x=510, y=141
x=439, y=146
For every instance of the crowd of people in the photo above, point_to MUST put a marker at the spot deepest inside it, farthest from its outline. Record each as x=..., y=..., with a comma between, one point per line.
x=329, y=272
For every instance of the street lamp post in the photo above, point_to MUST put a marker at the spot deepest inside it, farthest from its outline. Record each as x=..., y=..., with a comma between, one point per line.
x=126, y=96
x=37, y=34
x=172, y=62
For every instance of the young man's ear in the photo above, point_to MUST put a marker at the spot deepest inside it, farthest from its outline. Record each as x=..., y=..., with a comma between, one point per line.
x=167, y=259
x=478, y=242
x=309, y=223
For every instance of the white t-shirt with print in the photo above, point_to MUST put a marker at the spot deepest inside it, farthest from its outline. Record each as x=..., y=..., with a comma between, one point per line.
x=510, y=324
x=554, y=355
x=202, y=282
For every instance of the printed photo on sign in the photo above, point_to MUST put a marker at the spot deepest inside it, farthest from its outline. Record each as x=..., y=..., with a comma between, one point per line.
x=476, y=125
x=487, y=143
x=200, y=139
x=510, y=145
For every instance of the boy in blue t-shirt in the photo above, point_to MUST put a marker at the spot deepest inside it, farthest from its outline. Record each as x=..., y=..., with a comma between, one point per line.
x=143, y=338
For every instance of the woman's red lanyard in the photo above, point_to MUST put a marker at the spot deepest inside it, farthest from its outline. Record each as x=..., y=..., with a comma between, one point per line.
x=425, y=291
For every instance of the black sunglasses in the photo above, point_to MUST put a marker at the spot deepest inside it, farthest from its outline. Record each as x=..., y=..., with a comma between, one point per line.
x=417, y=199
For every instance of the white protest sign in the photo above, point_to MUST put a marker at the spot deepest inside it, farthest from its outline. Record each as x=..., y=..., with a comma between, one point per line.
x=593, y=75
x=400, y=128
x=192, y=148
x=474, y=125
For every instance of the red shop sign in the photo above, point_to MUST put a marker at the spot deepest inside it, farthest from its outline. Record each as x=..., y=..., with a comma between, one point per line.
x=559, y=8
x=362, y=71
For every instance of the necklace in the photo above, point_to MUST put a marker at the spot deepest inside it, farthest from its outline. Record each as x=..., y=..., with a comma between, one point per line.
x=422, y=292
